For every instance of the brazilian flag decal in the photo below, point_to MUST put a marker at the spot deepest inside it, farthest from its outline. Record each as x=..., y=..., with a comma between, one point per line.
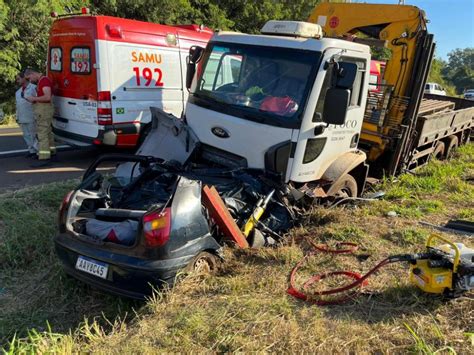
x=120, y=111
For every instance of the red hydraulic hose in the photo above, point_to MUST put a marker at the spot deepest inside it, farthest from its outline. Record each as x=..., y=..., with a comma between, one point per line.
x=360, y=280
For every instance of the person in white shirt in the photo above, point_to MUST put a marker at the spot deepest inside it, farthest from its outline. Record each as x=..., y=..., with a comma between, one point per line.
x=24, y=114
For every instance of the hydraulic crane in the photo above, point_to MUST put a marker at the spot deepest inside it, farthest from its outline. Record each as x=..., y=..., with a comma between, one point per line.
x=402, y=29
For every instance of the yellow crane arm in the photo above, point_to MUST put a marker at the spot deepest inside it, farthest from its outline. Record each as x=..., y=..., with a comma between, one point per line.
x=398, y=25
x=402, y=29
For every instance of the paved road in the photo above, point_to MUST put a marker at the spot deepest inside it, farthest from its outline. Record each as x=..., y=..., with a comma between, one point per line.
x=11, y=140
x=15, y=170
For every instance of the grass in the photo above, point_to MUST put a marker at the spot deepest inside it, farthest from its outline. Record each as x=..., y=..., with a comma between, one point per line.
x=33, y=287
x=245, y=307
x=9, y=121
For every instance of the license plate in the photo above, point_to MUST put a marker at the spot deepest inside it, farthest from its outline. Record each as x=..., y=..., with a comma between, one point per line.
x=92, y=267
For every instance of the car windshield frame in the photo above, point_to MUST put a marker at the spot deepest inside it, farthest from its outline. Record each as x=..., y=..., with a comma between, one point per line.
x=258, y=105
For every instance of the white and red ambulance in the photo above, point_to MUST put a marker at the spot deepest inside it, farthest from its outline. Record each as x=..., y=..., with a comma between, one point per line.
x=108, y=71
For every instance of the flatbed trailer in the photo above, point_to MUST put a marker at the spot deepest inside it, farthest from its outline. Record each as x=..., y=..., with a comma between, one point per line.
x=402, y=127
x=443, y=123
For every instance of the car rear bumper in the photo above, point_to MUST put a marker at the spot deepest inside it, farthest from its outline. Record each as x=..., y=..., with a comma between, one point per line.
x=127, y=276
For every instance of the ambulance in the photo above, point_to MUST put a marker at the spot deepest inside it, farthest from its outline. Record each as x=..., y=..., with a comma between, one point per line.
x=108, y=71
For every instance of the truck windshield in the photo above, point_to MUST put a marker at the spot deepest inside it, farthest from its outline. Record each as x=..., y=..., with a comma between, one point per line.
x=264, y=84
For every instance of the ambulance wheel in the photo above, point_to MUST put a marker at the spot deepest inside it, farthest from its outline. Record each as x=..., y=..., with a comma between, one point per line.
x=345, y=187
x=438, y=152
x=203, y=264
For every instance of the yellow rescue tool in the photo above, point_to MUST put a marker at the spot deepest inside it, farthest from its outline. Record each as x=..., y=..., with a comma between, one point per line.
x=446, y=269
x=257, y=213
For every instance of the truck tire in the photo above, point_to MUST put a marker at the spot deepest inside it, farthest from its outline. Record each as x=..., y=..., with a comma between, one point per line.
x=452, y=143
x=344, y=187
x=438, y=152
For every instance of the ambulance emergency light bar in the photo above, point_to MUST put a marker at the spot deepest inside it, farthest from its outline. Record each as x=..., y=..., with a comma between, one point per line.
x=84, y=11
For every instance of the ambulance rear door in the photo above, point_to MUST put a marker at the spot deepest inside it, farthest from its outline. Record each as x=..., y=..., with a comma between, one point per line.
x=72, y=67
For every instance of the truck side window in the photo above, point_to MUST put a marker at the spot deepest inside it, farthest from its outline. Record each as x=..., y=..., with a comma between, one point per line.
x=55, y=59
x=80, y=60
x=357, y=88
x=318, y=112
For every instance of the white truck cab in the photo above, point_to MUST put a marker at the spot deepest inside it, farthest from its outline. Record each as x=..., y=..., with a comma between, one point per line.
x=293, y=105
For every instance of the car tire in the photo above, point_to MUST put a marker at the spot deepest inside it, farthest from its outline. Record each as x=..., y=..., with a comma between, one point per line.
x=345, y=187
x=204, y=263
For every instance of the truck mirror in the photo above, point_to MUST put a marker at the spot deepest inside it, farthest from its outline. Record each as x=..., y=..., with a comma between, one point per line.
x=346, y=74
x=195, y=54
x=335, y=106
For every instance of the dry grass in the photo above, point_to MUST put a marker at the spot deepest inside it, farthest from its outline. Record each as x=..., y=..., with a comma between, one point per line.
x=245, y=306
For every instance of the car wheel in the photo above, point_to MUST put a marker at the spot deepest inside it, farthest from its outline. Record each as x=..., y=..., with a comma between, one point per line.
x=203, y=264
x=345, y=187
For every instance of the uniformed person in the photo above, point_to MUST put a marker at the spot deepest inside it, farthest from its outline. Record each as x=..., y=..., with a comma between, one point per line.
x=24, y=114
x=43, y=109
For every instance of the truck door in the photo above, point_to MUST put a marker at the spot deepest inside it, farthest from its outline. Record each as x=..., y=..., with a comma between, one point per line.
x=318, y=146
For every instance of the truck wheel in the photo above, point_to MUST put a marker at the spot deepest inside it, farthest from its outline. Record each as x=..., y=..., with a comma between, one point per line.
x=453, y=143
x=438, y=152
x=346, y=186
x=203, y=264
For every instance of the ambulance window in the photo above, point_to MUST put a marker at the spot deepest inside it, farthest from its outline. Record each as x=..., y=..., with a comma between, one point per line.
x=80, y=60
x=55, y=59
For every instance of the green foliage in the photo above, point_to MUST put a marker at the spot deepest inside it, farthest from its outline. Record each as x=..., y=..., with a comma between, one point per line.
x=24, y=29
x=436, y=76
x=460, y=69
x=24, y=24
x=166, y=12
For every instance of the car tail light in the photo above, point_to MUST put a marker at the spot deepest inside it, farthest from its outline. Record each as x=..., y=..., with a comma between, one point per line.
x=62, y=215
x=157, y=227
x=104, y=108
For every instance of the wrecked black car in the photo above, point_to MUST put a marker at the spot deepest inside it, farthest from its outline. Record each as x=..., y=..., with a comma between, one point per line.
x=128, y=237
x=134, y=229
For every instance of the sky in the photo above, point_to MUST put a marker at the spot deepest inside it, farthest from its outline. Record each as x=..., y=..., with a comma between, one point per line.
x=451, y=22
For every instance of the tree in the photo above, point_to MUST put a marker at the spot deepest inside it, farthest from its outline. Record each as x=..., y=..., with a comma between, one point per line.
x=25, y=24
x=460, y=69
x=24, y=30
x=166, y=12
x=249, y=16
x=436, y=76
